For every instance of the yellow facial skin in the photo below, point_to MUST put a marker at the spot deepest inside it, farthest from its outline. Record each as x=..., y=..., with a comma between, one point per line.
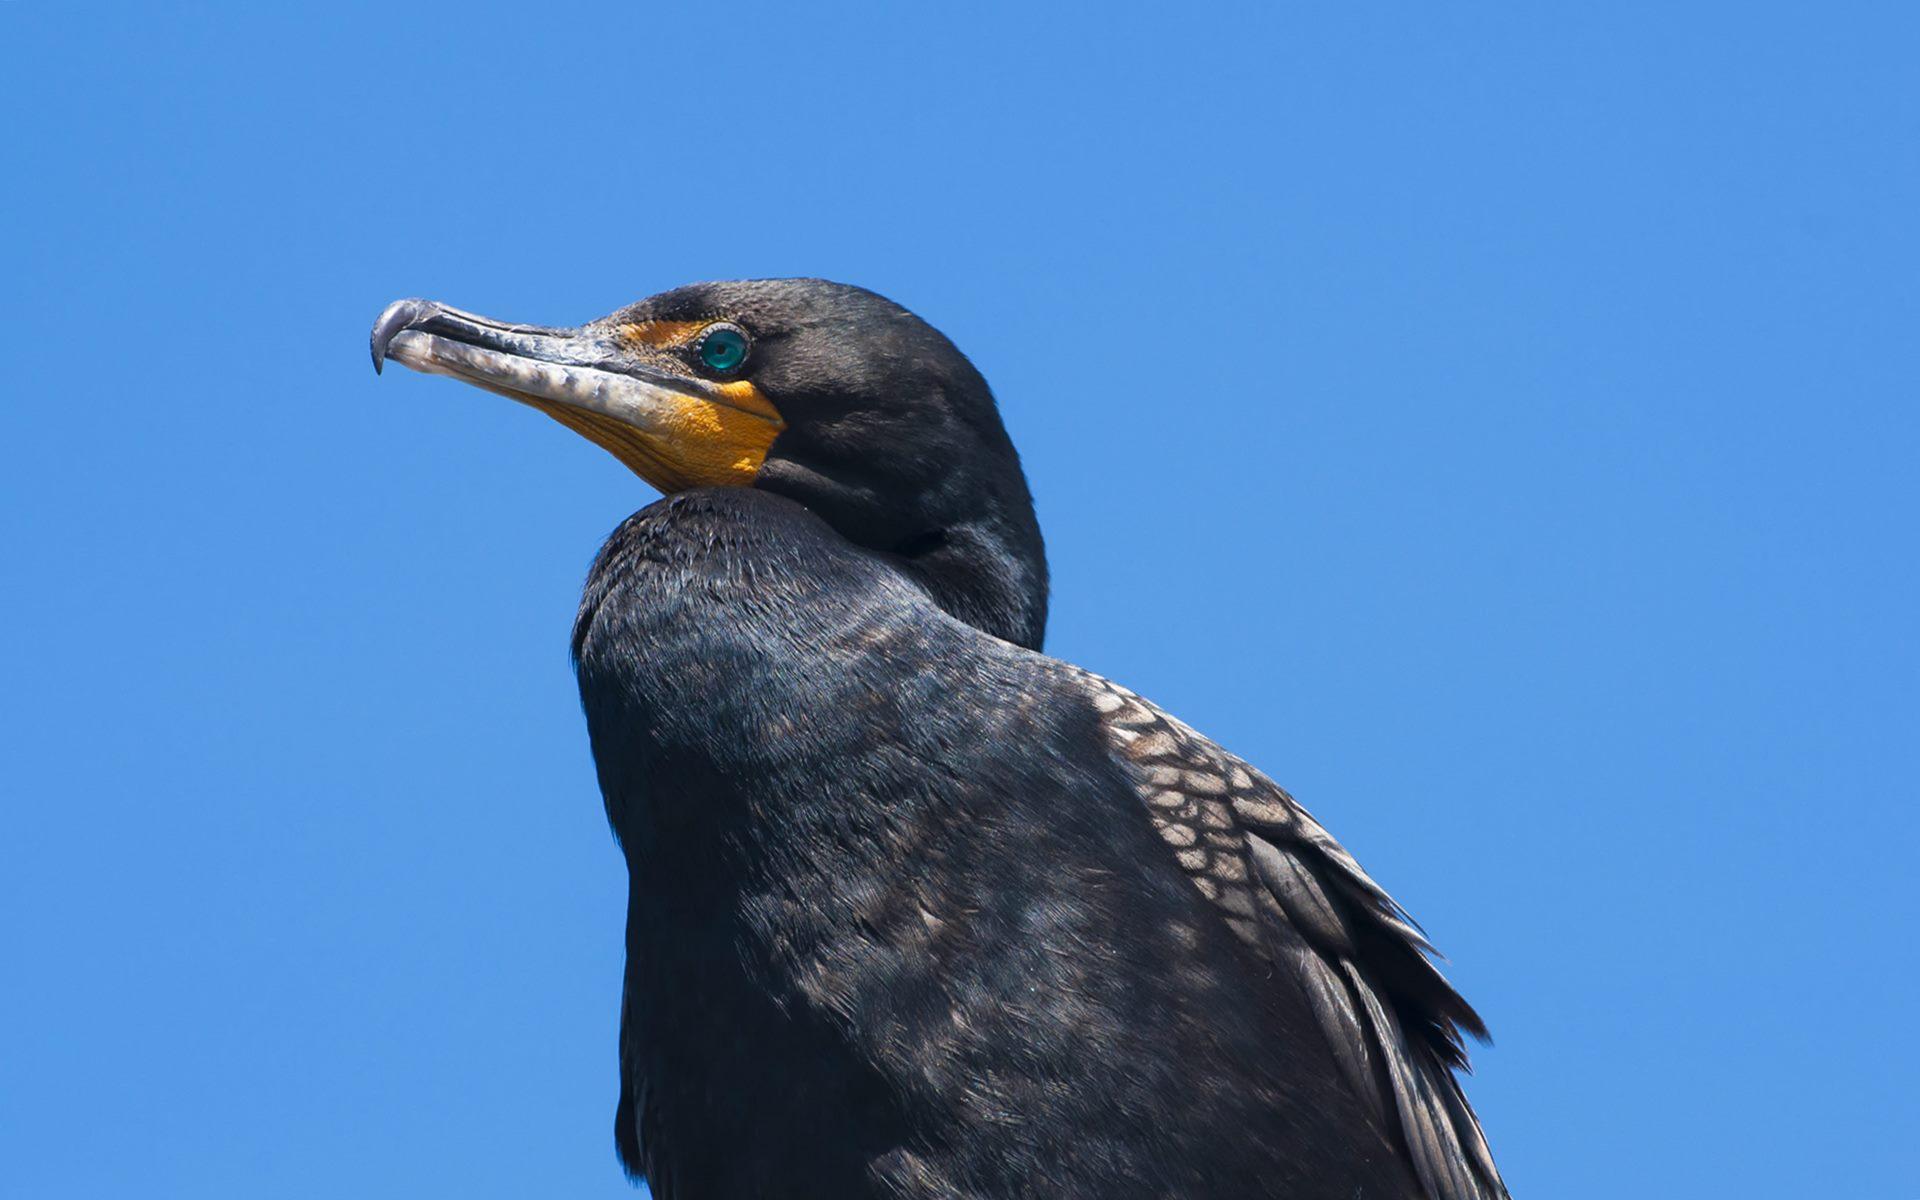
x=661, y=335
x=697, y=442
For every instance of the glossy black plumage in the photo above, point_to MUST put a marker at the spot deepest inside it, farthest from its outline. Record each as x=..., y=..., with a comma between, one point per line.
x=915, y=910
x=899, y=925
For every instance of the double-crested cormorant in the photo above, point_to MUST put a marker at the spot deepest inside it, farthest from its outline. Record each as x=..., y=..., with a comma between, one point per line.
x=915, y=910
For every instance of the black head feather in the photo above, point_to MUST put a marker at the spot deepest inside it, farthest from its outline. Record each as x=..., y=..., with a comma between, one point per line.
x=892, y=437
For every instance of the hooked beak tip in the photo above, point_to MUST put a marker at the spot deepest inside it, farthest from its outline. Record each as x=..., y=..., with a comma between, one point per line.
x=395, y=319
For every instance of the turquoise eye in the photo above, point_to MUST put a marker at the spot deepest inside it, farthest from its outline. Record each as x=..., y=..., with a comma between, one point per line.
x=723, y=347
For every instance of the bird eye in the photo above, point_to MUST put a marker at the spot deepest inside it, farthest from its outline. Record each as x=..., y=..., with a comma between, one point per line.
x=723, y=347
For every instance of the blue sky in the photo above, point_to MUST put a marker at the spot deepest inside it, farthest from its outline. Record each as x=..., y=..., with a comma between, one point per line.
x=1497, y=421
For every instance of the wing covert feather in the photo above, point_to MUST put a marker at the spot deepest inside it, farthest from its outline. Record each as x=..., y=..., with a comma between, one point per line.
x=1288, y=889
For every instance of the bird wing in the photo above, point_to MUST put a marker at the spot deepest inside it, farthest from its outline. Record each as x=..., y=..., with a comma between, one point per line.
x=1282, y=884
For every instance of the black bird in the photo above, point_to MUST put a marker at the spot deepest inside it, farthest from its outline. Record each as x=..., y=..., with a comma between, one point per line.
x=915, y=910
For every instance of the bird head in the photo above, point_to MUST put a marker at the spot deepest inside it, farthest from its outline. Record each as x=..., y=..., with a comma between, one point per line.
x=825, y=393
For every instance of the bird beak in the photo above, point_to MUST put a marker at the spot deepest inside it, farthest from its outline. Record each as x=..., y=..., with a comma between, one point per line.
x=626, y=394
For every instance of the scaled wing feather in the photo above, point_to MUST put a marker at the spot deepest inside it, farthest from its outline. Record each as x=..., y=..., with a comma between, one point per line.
x=1394, y=1023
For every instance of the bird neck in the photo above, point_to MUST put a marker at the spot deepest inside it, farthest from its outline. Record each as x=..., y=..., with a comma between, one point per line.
x=990, y=573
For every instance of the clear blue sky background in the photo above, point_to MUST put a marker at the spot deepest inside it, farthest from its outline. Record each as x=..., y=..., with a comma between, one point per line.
x=1498, y=421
